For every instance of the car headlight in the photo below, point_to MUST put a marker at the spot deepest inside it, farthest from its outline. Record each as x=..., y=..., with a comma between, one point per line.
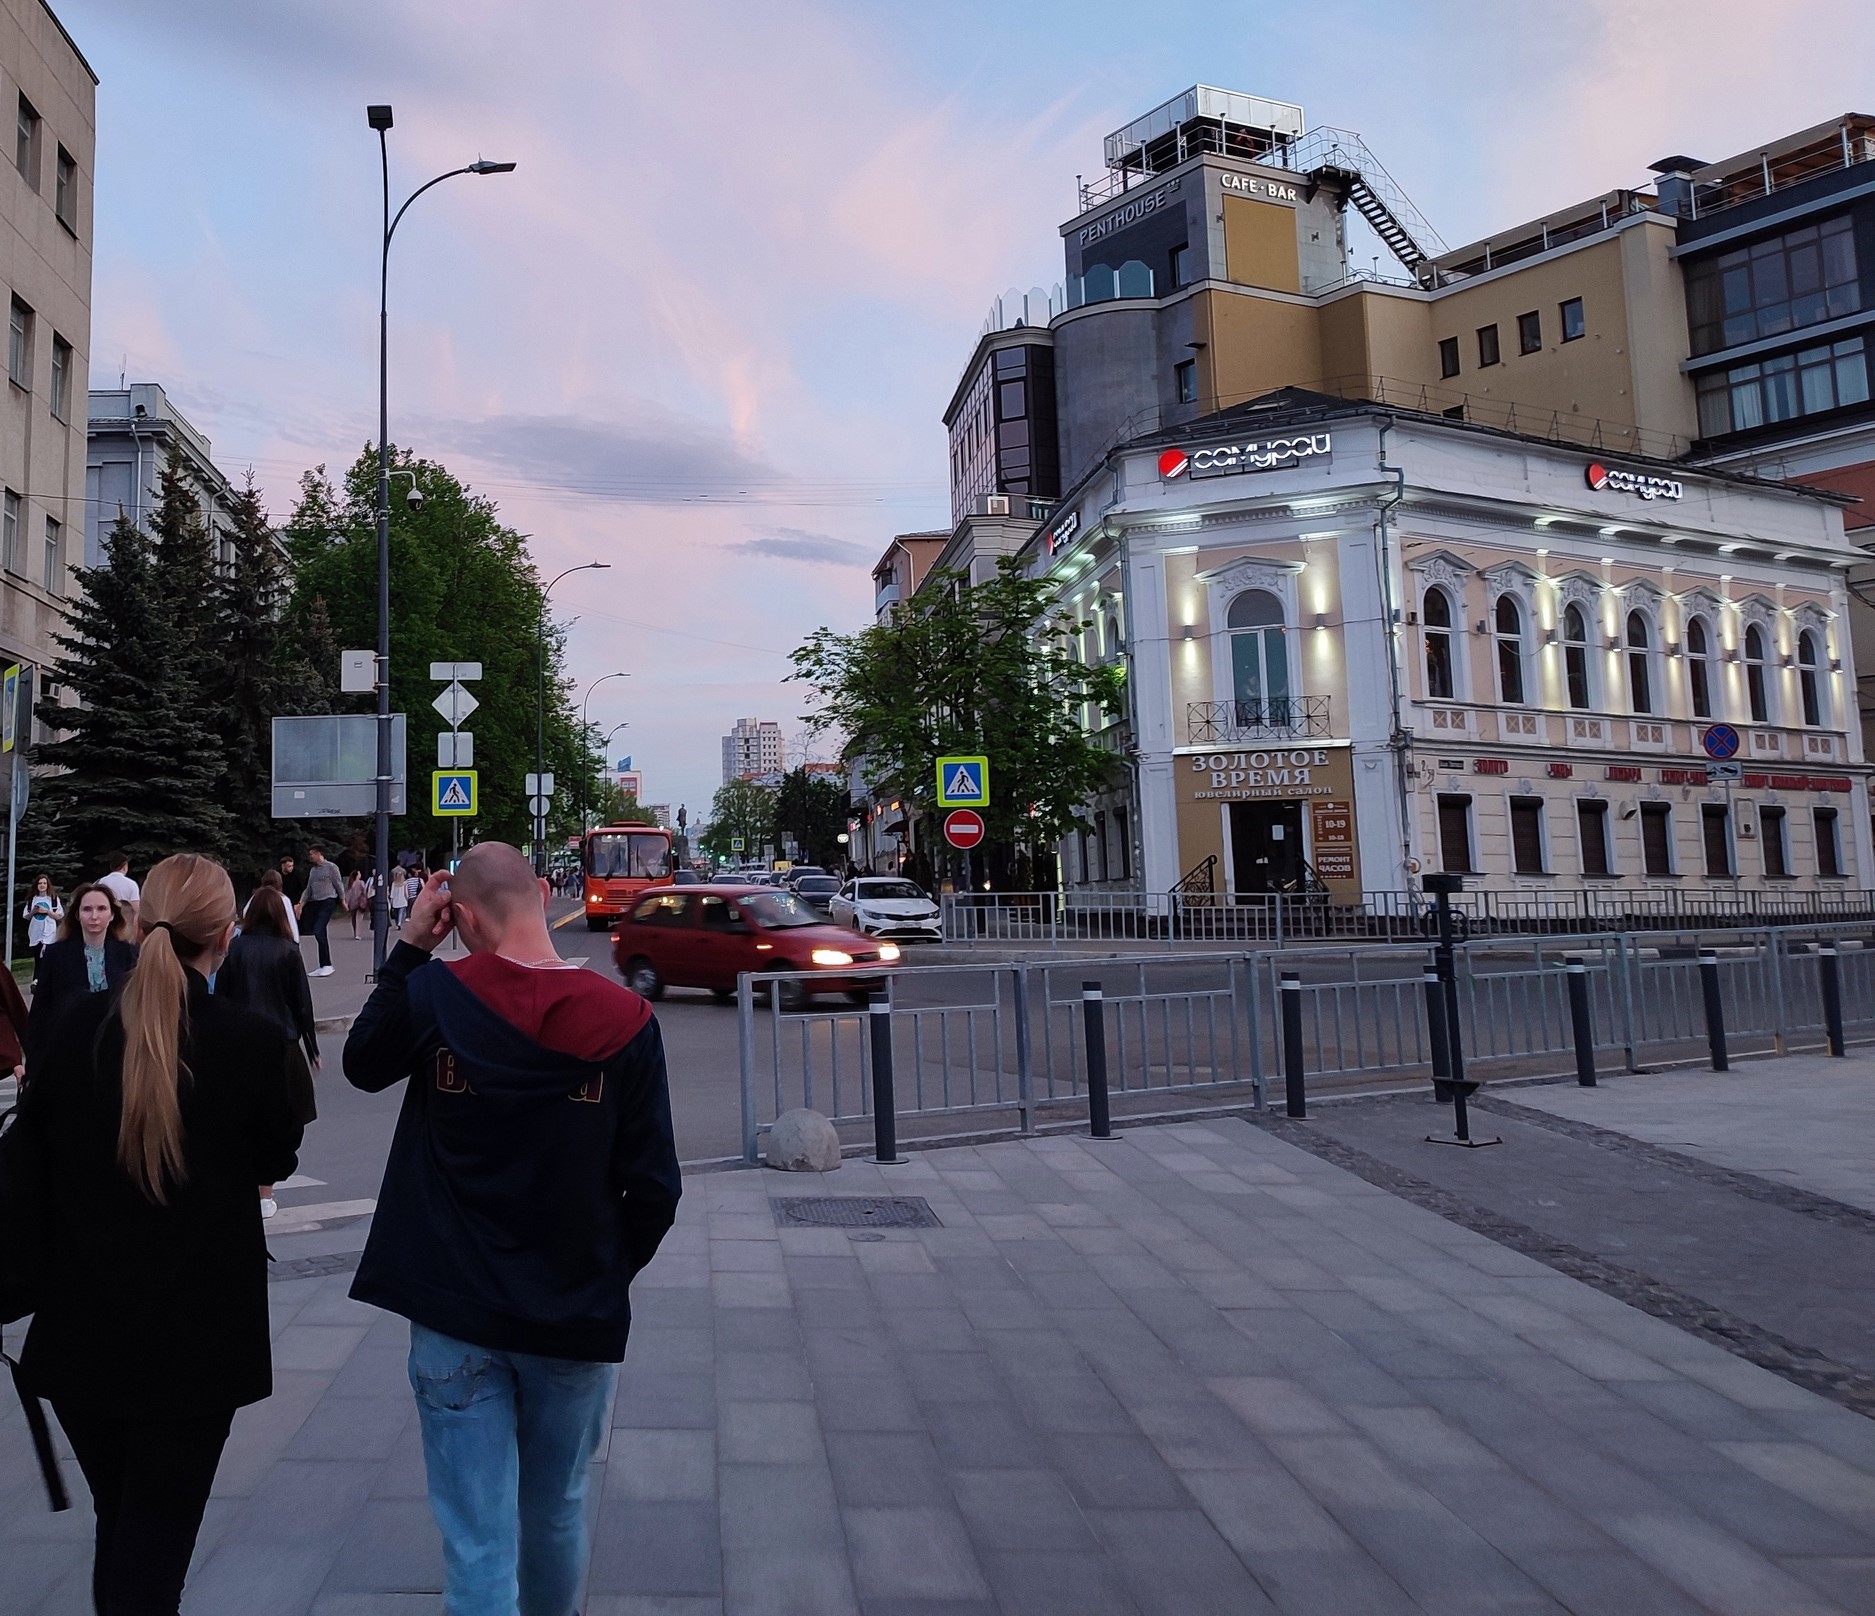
x=831, y=956
x=888, y=952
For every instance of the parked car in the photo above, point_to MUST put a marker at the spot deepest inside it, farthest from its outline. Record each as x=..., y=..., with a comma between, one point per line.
x=797, y=873
x=705, y=939
x=729, y=879
x=686, y=878
x=887, y=906
x=817, y=891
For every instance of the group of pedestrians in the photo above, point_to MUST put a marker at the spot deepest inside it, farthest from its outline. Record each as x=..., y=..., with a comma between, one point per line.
x=531, y=1175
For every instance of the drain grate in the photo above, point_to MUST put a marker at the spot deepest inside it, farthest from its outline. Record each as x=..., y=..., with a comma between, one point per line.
x=857, y=1212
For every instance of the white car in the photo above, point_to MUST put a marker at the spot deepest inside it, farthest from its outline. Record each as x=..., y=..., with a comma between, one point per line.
x=888, y=906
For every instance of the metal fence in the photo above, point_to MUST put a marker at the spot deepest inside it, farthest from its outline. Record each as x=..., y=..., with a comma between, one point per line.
x=1094, y=915
x=1001, y=1043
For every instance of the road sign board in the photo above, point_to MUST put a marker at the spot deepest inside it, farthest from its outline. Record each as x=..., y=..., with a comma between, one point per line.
x=455, y=703
x=1720, y=741
x=539, y=785
x=470, y=671
x=963, y=782
x=452, y=793
x=736, y=844
x=455, y=749
x=538, y=806
x=1715, y=772
x=964, y=828
x=325, y=766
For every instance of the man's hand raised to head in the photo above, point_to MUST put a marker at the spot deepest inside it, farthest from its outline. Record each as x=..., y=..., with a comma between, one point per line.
x=431, y=919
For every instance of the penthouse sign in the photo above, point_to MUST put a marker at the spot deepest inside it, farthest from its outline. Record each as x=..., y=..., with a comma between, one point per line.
x=1128, y=213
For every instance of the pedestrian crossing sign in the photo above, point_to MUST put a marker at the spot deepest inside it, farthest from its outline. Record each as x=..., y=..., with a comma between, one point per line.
x=963, y=782
x=452, y=793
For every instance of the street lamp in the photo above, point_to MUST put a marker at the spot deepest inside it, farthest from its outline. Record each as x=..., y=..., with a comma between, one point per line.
x=540, y=708
x=604, y=744
x=379, y=117
x=583, y=733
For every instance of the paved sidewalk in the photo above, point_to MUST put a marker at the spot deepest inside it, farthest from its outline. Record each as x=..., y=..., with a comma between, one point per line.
x=1194, y=1369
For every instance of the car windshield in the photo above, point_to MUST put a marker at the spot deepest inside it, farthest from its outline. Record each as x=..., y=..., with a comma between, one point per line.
x=817, y=883
x=777, y=911
x=884, y=890
x=629, y=856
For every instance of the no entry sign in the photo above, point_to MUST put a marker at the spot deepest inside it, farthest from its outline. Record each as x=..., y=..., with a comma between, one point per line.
x=964, y=828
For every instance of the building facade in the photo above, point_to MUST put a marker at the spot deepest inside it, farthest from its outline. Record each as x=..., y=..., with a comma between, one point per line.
x=131, y=431
x=45, y=261
x=753, y=746
x=1363, y=643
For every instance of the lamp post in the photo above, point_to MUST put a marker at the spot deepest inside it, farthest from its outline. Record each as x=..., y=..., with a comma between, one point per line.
x=585, y=773
x=540, y=707
x=604, y=744
x=379, y=117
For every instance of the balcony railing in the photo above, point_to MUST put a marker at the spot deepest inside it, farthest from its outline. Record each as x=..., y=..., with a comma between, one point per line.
x=1209, y=723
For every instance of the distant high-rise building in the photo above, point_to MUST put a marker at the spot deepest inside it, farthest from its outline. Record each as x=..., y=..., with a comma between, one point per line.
x=754, y=746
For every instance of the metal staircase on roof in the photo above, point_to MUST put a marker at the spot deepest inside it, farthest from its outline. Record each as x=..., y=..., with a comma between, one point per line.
x=1340, y=158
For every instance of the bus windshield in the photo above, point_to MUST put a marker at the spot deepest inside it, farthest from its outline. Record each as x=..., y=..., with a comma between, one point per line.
x=629, y=856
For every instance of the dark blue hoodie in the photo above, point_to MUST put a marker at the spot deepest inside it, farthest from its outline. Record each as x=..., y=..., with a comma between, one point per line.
x=533, y=1171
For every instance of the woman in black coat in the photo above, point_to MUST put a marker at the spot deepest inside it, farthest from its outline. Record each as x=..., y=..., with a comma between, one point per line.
x=152, y=1326
x=91, y=956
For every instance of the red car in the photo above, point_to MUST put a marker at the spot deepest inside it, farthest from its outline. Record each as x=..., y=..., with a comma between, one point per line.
x=704, y=937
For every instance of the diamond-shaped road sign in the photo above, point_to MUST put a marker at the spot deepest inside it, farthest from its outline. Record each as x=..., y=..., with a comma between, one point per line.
x=455, y=703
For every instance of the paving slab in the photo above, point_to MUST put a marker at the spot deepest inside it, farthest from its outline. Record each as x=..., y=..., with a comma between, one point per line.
x=1196, y=1367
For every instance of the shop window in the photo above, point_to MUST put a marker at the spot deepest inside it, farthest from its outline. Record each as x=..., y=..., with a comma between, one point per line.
x=1592, y=832
x=1487, y=345
x=1508, y=622
x=1573, y=325
x=1526, y=835
x=1757, y=688
x=1185, y=373
x=1715, y=828
x=1259, y=659
x=1576, y=657
x=1793, y=280
x=1657, y=838
x=1640, y=665
x=1455, y=834
x=1828, y=842
x=1772, y=839
x=1438, y=632
x=1530, y=332
x=1809, y=679
x=1448, y=356
x=1699, y=666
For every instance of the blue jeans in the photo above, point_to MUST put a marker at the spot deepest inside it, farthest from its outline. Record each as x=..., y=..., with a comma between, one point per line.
x=507, y=1439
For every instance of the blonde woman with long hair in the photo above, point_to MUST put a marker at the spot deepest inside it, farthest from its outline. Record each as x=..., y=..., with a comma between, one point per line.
x=159, y=1108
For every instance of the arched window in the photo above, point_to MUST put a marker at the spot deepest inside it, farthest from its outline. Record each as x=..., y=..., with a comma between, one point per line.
x=1808, y=681
x=1508, y=618
x=1699, y=665
x=1259, y=659
x=1755, y=689
x=1438, y=613
x=1575, y=634
x=1640, y=665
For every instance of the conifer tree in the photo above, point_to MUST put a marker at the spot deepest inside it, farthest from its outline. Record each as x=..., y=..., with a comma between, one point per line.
x=249, y=684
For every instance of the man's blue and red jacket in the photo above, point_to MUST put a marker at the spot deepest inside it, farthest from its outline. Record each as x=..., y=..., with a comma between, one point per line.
x=533, y=1171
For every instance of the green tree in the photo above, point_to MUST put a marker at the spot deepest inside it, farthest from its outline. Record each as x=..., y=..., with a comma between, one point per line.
x=611, y=806
x=463, y=589
x=741, y=810
x=813, y=808
x=962, y=668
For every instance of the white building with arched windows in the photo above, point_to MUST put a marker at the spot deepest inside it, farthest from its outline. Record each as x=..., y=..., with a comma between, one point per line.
x=1364, y=643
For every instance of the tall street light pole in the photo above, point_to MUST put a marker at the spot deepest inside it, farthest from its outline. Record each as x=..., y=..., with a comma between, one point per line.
x=584, y=731
x=540, y=707
x=379, y=117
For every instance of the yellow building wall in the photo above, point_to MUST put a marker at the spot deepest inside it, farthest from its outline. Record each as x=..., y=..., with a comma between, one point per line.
x=1255, y=345
x=1260, y=244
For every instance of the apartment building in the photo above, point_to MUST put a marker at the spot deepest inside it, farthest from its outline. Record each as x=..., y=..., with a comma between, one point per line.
x=45, y=263
x=1365, y=642
x=131, y=430
x=753, y=747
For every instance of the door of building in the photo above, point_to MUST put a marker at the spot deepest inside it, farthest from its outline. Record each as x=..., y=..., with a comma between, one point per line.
x=1266, y=847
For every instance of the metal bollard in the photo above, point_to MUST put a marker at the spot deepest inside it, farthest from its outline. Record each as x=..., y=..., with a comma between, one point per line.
x=1715, y=1009
x=1294, y=1088
x=1579, y=1020
x=1832, y=996
x=1093, y=1009
x=884, y=1105
x=1435, y=1033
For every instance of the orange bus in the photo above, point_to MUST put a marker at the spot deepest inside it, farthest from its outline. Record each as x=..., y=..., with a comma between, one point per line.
x=619, y=862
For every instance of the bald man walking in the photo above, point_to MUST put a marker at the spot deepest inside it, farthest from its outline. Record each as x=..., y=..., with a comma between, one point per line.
x=531, y=1176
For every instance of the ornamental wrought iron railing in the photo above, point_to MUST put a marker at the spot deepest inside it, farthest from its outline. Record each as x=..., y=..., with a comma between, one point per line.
x=1276, y=719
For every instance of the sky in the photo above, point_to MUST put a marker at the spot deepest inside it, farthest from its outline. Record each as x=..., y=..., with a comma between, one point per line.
x=707, y=330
